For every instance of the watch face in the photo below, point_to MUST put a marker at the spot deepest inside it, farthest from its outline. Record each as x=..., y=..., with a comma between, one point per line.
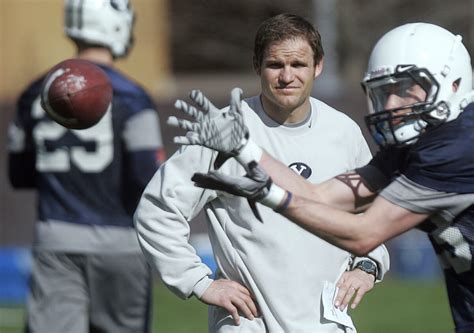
x=367, y=266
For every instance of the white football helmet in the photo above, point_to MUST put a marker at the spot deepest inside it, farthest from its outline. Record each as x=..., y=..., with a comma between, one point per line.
x=416, y=57
x=107, y=23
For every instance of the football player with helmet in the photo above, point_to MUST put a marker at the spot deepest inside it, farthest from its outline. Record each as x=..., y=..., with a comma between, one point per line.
x=419, y=91
x=88, y=272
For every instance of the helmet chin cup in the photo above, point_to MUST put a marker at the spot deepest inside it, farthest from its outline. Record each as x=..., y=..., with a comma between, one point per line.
x=389, y=129
x=408, y=133
x=419, y=125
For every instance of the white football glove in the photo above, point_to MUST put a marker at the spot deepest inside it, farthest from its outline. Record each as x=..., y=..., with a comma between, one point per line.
x=220, y=130
x=256, y=185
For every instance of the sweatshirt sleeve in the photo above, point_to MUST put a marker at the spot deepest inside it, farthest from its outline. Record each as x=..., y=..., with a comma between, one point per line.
x=381, y=258
x=168, y=203
x=362, y=148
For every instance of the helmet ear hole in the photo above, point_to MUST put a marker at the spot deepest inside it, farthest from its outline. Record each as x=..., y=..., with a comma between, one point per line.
x=456, y=84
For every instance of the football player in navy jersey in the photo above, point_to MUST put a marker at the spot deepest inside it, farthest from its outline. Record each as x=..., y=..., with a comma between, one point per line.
x=89, y=273
x=419, y=90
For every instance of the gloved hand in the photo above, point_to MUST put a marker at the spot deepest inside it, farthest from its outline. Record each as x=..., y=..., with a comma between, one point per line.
x=220, y=130
x=256, y=185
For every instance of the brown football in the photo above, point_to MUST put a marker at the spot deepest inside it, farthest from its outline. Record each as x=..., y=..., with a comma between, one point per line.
x=76, y=93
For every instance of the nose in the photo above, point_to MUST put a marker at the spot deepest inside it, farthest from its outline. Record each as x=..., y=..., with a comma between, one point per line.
x=393, y=101
x=286, y=75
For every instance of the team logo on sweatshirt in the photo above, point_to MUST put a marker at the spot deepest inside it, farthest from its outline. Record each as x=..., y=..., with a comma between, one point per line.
x=301, y=169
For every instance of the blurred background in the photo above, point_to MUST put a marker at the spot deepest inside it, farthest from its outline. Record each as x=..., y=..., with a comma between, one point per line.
x=207, y=44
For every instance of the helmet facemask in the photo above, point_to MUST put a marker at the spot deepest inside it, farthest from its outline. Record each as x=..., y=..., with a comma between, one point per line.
x=402, y=105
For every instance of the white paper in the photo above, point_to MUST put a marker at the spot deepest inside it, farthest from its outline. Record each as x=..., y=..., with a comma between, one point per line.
x=330, y=311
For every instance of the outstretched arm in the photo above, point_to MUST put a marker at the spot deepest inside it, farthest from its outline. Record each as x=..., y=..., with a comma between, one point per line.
x=357, y=234
x=345, y=191
x=322, y=209
x=225, y=131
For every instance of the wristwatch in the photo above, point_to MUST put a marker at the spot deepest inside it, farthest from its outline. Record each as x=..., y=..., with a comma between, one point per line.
x=367, y=266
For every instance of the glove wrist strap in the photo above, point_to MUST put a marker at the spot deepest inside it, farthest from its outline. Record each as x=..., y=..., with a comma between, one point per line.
x=283, y=206
x=274, y=197
x=249, y=152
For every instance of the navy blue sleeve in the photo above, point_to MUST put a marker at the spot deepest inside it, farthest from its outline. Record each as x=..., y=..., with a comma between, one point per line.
x=21, y=148
x=21, y=170
x=140, y=168
x=443, y=158
x=384, y=166
x=143, y=144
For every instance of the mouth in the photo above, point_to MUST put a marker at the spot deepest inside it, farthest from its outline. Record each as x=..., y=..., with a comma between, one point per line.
x=286, y=89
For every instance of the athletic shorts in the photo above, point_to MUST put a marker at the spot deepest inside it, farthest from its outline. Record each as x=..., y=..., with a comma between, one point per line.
x=80, y=293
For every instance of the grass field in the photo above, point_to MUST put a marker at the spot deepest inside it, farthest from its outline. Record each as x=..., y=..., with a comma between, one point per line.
x=395, y=306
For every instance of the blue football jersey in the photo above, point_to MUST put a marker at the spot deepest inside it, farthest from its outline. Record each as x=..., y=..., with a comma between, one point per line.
x=441, y=160
x=93, y=176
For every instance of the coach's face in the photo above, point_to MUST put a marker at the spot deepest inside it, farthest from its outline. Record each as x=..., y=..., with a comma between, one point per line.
x=287, y=73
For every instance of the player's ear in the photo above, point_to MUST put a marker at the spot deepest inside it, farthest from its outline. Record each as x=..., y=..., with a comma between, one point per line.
x=456, y=85
x=318, y=68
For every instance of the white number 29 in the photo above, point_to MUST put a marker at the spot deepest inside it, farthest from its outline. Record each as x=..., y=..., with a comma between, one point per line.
x=61, y=159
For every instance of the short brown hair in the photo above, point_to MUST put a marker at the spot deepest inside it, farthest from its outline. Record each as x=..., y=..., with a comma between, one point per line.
x=283, y=27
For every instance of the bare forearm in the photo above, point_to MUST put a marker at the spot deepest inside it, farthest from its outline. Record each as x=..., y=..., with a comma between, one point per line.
x=342, y=229
x=358, y=234
x=285, y=177
x=345, y=191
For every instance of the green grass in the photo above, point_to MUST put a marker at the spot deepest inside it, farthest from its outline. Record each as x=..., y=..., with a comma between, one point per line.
x=174, y=315
x=405, y=306
x=394, y=306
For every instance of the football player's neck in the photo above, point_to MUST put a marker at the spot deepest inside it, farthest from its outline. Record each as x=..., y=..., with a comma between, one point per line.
x=99, y=55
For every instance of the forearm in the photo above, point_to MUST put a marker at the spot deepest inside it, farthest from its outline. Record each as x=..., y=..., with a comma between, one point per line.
x=164, y=243
x=358, y=234
x=342, y=229
x=345, y=191
x=163, y=234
